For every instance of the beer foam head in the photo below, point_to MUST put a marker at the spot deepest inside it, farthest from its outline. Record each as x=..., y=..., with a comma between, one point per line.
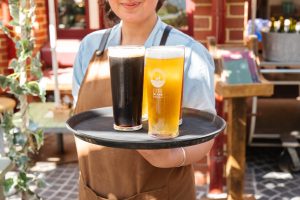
x=126, y=51
x=165, y=52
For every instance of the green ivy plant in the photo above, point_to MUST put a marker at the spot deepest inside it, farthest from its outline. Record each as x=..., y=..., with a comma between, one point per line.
x=21, y=137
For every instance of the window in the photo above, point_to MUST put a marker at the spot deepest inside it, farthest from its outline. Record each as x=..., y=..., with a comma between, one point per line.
x=73, y=18
x=71, y=14
x=178, y=14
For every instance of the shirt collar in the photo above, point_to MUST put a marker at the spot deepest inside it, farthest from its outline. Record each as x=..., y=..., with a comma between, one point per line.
x=115, y=36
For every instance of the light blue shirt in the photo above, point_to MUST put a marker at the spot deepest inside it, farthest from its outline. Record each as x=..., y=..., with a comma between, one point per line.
x=199, y=68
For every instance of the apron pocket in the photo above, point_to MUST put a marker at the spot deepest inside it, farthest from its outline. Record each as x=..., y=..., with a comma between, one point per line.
x=89, y=194
x=158, y=194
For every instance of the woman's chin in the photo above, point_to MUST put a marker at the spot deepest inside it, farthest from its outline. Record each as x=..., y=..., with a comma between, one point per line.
x=132, y=20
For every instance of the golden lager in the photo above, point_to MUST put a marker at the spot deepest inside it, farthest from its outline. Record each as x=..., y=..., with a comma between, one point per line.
x=164, y=77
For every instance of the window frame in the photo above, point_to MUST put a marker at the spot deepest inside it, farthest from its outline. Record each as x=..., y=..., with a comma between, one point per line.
x=77, y=33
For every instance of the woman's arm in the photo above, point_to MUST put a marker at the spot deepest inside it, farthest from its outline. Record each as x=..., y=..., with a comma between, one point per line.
x=167, y=158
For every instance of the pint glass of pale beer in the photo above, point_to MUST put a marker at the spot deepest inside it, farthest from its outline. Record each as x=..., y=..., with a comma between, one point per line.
x=127, y=74
x=164, y=66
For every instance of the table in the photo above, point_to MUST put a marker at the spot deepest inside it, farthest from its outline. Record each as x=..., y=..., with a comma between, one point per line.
x=42, y=114
x=64, y=79
x=236, y=96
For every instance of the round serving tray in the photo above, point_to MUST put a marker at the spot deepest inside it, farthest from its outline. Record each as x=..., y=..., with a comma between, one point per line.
x=96, y=126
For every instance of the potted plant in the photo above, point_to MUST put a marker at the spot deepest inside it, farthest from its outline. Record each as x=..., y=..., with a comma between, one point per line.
x=21, y=137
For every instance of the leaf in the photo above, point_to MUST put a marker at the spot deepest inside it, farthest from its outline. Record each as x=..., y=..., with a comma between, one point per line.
x=8, y=183
x=22, y=181
x=8, y=32
x=35, y=67
x=15, y=65
x=41, y=183
x=33, y=88
x=4, y=82
x=39, y=138
x=22, y=162
x=16, y=89
x=7, y=123
x=14, y=9
x=20, y=139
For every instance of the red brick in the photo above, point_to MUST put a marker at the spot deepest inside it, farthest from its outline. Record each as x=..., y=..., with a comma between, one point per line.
x=2, y=35
x=40, y=11
x=41, y=18
x=234, y=22
x=202, y=23
x=39, y=34
x=235, y=35
x=202, y=35
x=236, y=10
x=3, y=64
x=3, y=43
x=202, y=1
x=3, y=56
x=203, y=10
x=235, y=1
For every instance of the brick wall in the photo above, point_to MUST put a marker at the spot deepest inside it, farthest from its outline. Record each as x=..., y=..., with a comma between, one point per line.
x=234, y=21
x=3, y=52
x=203, y=20
x=40, y=33
x=41, y=26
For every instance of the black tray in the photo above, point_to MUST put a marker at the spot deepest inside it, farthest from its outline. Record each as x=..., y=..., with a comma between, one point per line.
x=96, y=126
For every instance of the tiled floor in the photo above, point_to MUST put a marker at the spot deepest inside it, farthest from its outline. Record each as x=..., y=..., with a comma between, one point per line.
x=270, y=183
x=62, y=183
x=263, y=178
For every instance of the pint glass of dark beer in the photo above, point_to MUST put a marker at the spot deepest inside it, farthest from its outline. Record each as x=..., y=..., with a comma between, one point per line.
x=127, y=73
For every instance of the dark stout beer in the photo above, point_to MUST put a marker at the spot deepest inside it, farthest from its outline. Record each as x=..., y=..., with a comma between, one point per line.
x=127, y=72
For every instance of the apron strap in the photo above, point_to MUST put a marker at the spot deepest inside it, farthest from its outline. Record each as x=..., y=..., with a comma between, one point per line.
x=103, y=42
x=165, y=35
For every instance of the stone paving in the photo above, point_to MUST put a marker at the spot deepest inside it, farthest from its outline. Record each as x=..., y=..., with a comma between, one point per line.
x=263, y=179
x=270, y=183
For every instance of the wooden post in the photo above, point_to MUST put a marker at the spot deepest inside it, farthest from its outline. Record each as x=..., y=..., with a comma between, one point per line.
x=236, y=145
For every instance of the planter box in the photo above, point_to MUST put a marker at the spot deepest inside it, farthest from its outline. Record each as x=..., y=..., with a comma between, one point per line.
x=281, y=47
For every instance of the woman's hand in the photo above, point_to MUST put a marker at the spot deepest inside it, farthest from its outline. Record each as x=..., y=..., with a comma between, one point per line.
x=167, y=158
x=162, y=158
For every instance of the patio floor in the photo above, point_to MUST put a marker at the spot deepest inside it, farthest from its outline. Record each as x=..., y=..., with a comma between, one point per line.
x=263, y=177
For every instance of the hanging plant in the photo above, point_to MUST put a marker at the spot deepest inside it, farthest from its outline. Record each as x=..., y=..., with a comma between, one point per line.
x=21, y=137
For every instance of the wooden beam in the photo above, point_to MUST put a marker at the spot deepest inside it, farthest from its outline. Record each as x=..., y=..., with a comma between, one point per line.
x=236, y=145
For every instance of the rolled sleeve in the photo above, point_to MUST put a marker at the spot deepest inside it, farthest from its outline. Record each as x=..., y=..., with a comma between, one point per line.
x=199, y=79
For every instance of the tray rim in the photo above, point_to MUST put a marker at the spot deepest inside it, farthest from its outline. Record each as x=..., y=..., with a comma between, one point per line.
x=169, y=143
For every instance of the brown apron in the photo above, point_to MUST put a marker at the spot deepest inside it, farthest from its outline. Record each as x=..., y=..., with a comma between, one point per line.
x=115, y=174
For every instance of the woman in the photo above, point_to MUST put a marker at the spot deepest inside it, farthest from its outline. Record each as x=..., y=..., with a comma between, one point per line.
x=109, y=173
